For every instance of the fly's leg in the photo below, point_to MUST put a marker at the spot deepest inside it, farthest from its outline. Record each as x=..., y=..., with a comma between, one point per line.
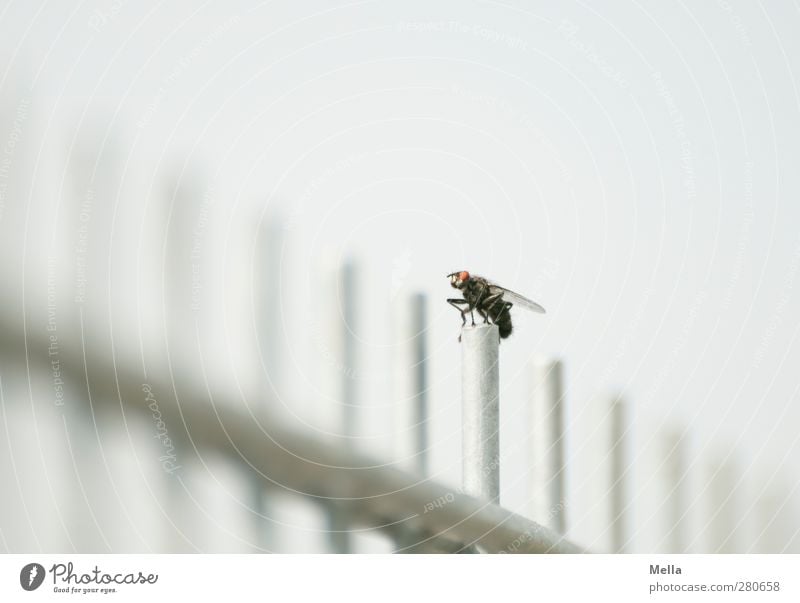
x=455, y=302
x=492, y=301
x=480, y=306
x=471, y=310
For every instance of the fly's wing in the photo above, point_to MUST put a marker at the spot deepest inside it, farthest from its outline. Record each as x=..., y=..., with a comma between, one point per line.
x=523, y=302
x=515, y=298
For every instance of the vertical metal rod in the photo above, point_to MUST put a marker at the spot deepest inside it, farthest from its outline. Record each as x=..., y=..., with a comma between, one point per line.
x=723, y=508
x=480, y=413
x=338, y=523
x=772, y=515
x=338, y=517
x=269, y=293
x=185, y=300
x=411, y=384
x=547, y=445
x=674, y=455
x=349, y=390
x=420, y=401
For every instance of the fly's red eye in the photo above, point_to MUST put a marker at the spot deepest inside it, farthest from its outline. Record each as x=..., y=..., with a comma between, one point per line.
x=463, y=276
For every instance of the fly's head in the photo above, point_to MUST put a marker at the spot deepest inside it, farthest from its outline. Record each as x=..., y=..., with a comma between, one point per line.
x=458, y=280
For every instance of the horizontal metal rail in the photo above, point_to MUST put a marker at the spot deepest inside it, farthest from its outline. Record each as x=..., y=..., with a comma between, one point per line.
x=376, y=495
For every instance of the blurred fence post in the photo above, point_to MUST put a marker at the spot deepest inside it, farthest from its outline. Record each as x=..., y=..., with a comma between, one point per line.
x=480, y=413
x=774, y=509
x=268, y=296
x=349, y=353
x=598, y=509
x=547, y=445
x=617, y=477
x=338, y=517
x=411, y=384
x=268, y=309
x=674, y=451
x=722, y=509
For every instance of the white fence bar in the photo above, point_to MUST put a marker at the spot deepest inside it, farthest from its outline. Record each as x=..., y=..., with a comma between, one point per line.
x=480, y=412
x=420, y=402
x=123, y=488
x=775, y=508
x=349, y=353
x=410, y=391
x=618, y=476
x=339, y=521
x=722, y=508
x=267, y=310
x=673, y=443
x=215, y=510
x=213, y=502
x=410, y=385
x=662, y=483
x=36, y=506
x=598, y=516
x=267, y=317
x=548, y=490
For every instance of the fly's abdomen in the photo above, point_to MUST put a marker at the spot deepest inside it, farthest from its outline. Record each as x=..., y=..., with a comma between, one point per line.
x=505, y=327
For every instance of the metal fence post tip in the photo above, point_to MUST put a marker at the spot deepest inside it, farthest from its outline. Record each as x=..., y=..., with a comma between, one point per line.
x=480, y=416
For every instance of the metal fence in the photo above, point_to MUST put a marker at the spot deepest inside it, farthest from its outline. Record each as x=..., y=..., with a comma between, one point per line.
x=192, y=424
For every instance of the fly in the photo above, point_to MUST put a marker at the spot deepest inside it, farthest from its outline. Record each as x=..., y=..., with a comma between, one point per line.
x=490, y=300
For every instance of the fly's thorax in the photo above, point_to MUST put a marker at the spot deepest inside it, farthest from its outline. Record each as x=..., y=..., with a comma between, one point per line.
x=472, y=291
